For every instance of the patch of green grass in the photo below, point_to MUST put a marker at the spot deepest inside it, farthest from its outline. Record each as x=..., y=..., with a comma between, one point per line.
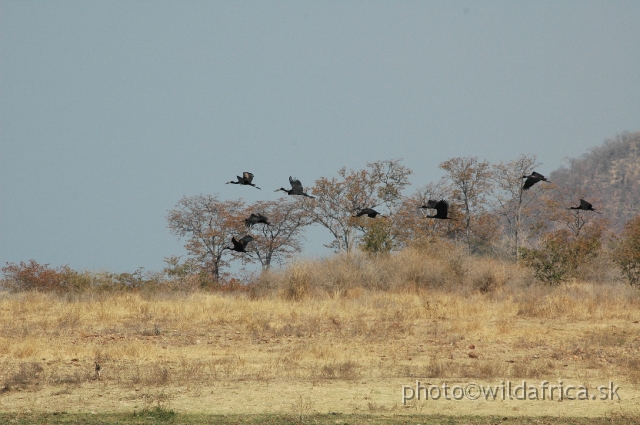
x=157, y=414
x=163, y=416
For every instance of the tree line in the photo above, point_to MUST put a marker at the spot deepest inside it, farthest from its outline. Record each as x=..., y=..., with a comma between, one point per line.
x=490, y=211
x=491, y=215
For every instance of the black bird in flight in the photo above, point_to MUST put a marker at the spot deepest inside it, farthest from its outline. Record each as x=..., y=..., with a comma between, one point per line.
x=369, y=212
x=255, y=219
x=239, y=246
x=584, y=205
x=296, y=188
x=245, y=180
x=532, y=179
x=430, y=204
x=441, y=207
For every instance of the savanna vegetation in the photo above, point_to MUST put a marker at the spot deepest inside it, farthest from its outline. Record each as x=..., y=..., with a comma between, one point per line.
x=516, y=287
x=341, y=334
x=492, y=217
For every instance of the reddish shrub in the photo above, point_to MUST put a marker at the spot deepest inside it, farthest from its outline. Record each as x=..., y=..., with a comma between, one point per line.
x=25, y=277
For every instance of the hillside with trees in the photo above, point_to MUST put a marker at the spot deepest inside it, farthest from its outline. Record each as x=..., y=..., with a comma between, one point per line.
x=608, y=175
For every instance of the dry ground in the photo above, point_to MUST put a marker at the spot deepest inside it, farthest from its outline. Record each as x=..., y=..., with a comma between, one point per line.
x=349, y=352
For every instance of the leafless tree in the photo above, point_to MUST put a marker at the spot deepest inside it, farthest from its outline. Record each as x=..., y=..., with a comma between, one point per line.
x=208, y=224
x=556, y=201
x=470, y=183
x=338, y=198
x=281, y=238
x=409, y=222
x=510, y=203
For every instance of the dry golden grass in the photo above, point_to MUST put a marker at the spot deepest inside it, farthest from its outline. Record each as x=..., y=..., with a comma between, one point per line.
x=344, y=332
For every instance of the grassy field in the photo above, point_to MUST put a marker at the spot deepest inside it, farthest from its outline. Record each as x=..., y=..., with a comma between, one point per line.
x=306, y=351
x=154, y=417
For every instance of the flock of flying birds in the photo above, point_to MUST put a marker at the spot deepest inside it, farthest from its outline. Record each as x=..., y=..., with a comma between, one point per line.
x=441, y=206
x=240, y=245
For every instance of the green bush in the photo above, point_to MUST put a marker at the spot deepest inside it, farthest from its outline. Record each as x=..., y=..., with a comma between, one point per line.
x=627, y=253
x=376, y=237
x=561, y=255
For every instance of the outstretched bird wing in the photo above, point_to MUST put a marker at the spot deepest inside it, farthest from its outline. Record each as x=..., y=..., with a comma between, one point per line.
x=245, y=240
x=253, y=219
x=236, y=244
x=584, y=205
x=430, y=204
x=247, y=176
x=442, y=209
x=530, y=181
x=533, y=179
x=295, y=184
x=373, y=213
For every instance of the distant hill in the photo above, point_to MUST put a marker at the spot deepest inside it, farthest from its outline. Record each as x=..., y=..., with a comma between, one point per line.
x=609, y=174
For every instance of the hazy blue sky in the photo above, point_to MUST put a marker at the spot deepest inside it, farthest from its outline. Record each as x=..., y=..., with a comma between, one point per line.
x=111, y=111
